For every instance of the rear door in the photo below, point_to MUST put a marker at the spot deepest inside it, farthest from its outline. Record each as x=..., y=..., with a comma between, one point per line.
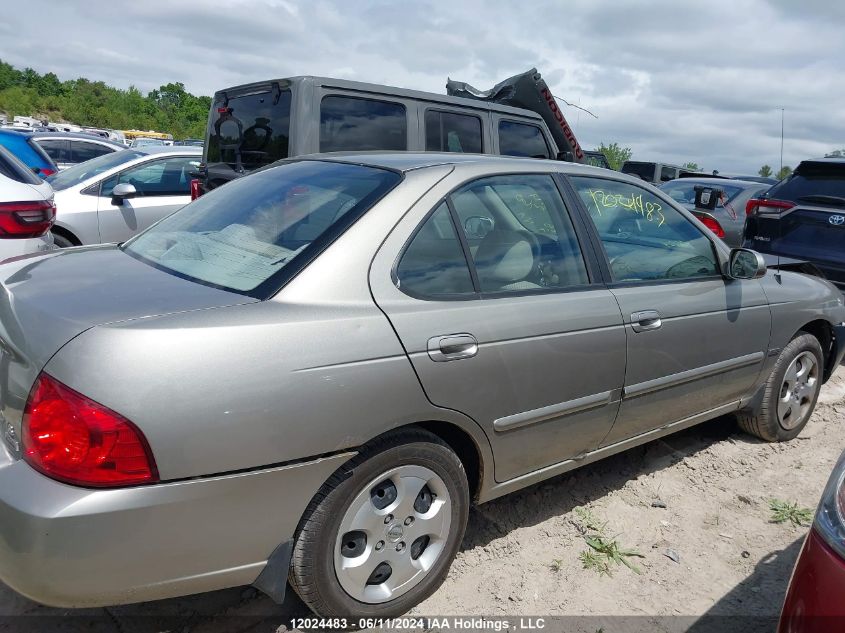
x=81, y=151
x=696, y=340
x=500, y=309
x=163, y=186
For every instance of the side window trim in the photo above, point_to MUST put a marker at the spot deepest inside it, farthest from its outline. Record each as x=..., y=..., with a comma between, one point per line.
x=604, y=261
x=462, y=238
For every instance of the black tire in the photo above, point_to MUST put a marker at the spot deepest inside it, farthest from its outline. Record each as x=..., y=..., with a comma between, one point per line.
x=61, y=241
x=764, y=422
x=312, y=570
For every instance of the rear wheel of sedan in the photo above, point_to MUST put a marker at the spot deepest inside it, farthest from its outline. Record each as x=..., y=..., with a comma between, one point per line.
x=380, y=535
x=790, y=393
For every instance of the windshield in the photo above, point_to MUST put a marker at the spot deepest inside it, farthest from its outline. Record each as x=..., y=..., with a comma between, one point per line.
x=239, y=237
x=72, y=176
x=250, y=130
x=683, y=191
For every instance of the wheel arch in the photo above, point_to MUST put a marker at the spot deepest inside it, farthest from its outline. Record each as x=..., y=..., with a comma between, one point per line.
x=823, y=331
x=58, y=229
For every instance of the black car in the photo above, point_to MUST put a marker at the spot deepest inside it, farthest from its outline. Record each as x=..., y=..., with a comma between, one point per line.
x=803, y=217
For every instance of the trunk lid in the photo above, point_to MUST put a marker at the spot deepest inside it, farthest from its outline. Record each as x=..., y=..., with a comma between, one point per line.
x=47, y=300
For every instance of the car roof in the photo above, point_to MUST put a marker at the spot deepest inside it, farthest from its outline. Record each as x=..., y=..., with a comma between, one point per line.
x=408, y=161
x=729, y=182
x=81, y=136
x=167, y=149
x=381, y=89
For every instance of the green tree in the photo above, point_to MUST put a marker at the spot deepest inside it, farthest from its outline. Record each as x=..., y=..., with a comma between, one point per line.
x=690, y=166
x=783, y=172
x=615, y=154
x=170, y=108
x=765, y=171
x=837, y=153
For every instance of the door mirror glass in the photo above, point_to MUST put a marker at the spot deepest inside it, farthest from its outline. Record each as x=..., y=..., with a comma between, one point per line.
x=746, y=264
x=478, y=227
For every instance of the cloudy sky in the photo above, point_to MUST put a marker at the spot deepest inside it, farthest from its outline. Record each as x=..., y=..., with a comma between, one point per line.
x=699, y=81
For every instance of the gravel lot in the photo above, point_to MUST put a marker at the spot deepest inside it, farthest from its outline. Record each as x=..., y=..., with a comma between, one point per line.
x=521, y=553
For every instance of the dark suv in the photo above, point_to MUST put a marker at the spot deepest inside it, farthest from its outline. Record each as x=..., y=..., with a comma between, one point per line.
x=803, y=217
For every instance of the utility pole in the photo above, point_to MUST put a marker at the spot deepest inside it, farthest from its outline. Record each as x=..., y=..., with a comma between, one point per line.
x=781, y=140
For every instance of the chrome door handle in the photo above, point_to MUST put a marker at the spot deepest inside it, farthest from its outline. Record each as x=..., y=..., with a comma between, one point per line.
x=452, y=347
x=645, y=320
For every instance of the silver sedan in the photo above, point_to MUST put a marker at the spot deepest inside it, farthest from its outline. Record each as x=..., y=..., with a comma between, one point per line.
x=312, y=372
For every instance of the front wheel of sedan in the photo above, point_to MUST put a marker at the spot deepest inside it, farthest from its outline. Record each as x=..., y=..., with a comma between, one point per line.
x=790, y=394
x=380, y=535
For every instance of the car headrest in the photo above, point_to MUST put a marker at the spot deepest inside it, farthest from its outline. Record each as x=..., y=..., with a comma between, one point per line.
x=505, y=256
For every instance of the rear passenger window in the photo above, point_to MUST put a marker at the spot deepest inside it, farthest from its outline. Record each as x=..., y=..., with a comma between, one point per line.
x=57, y=149
x=80, y=151
x=434, y=263
x=519, y=234
x=452, y=132
x=520, y=139
x=354, y=124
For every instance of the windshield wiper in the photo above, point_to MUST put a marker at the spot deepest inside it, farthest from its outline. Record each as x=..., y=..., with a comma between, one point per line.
x=824, y=199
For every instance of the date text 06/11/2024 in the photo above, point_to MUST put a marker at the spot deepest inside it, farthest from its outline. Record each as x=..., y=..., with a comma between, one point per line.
x=411, y=623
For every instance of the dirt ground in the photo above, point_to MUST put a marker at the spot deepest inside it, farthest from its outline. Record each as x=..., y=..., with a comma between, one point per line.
x=521, y=553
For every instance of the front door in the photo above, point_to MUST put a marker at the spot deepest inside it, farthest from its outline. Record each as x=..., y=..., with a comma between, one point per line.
x=162, y=185
x=500, y=314
x=696, y=340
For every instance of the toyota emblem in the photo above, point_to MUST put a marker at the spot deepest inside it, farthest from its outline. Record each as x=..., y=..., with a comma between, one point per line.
x=837, y=220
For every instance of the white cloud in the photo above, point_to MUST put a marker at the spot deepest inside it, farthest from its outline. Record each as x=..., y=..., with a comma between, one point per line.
x=700, y=80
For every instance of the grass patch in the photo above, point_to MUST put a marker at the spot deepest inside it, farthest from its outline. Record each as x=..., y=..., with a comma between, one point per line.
x=783, y=511
x=604, y=551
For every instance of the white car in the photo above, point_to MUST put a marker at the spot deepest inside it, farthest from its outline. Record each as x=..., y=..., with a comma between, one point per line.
x=27, y=209
x=112, y=197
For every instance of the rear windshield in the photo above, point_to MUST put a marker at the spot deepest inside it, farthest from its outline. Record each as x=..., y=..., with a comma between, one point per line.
x=643, y=170
x=13, y=168
x=812, y=179
x=683, y=190
x=81, y=172
x=255, y=233
x=250, y=130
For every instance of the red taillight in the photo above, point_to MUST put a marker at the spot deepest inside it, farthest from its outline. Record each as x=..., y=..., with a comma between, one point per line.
x=46, y=171
x=713, y=225
x=73, y=439
x=26, y=219
x=195, y=189
x=761, y=205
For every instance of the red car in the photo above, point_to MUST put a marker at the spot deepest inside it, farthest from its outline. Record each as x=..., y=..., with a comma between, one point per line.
x=815, y=600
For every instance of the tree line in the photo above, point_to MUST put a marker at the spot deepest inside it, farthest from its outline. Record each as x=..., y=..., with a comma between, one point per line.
x=81, y=101
x=616, y=155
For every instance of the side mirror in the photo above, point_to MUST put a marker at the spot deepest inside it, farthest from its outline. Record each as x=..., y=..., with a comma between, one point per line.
x=121, y=192
x=477, y=227
x=744, y=263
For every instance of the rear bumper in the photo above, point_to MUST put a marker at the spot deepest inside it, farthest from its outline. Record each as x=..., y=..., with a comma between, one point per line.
x=73, y=547
x=27, y=246
x=815, y=600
